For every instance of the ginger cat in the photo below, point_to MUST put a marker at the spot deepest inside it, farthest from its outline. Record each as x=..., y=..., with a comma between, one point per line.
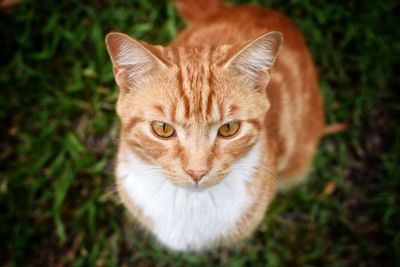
x=213, y=122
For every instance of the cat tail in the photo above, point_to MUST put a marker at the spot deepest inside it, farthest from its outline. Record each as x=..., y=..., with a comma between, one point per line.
x=196, y=10
x=334, y=128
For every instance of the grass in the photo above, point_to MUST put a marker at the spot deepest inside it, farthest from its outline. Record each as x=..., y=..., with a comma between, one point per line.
x=59, y=132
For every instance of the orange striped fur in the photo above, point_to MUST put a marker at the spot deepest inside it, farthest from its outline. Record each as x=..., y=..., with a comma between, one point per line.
x=225, y=66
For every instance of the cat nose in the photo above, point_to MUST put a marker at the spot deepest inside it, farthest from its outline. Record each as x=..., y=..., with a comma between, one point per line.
x=196, y=175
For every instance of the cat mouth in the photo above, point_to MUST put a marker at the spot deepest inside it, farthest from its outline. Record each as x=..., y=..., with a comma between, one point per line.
x=209, y=182
x=203, y=184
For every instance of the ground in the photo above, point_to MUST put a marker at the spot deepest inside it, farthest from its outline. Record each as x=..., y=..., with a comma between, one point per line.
x=58, y=205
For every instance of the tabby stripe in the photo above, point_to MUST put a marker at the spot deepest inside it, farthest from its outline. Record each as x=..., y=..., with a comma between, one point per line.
x=153, y=148
x=200, y=110
x=173, y=112
x=159, y=108
x=241, y=146
x=221, y=109
x=255, y=123
x=180, y=84
x=209, y=102
x=210, y=82
x=132, y=121
x=233, y=108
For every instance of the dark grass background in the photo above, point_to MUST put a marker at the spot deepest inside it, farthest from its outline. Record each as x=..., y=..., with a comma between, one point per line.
x=59, y=133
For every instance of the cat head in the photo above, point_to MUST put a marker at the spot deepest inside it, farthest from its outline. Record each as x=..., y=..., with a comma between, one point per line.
x=192, y=111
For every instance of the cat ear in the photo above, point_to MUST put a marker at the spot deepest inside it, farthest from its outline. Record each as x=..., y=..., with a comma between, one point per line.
x=255, y=59
x=132, y=60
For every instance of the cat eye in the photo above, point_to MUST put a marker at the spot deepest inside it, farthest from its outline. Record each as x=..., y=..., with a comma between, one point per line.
x=162, y=129
x=229, y=129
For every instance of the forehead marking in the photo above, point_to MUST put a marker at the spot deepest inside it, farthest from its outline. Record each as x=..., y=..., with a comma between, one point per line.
x=197, y=96
x=180, y=79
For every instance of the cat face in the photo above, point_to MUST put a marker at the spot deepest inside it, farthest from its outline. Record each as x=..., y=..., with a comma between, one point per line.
x=192, y=112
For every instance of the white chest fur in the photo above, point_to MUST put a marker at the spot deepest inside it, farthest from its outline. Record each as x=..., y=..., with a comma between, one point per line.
x=185, y=219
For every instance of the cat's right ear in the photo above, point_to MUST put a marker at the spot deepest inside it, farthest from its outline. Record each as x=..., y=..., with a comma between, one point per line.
x=254, y=60
x=132, y=60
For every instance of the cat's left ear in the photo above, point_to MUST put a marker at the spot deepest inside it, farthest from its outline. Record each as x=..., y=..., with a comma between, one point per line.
x=132, y=60
x=254, y=60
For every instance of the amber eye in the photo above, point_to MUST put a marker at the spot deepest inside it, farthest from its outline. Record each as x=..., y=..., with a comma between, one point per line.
x=162, y=129
x=229, y=129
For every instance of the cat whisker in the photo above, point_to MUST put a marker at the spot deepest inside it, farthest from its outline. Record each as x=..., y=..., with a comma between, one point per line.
x=111, y=188
x=147, y=172
x=108, y=191
x=150, y=168
x=257, y=168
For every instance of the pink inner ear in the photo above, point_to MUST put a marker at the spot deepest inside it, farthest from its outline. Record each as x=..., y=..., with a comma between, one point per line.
x=121, y=79
x=263, y=79
x=132, y=60
x=255, y=59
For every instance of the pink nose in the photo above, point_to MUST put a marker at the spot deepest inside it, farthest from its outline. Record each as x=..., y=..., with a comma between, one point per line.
x=196, y=174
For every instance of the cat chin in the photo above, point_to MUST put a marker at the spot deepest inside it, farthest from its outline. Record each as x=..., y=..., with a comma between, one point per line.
x=197, y=187
x=200, y=187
